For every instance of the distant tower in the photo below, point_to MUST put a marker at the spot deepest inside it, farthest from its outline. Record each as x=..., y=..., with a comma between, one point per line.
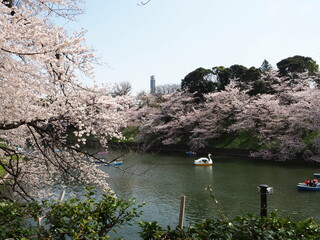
x=152, y=84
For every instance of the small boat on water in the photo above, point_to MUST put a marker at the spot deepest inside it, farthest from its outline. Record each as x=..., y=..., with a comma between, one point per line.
x=101, y=153
x=307, y=187
x=115, y=163
x=190, y=153
x=100, y=161
x=204, y=161
x=316, y=175
x=20, y=150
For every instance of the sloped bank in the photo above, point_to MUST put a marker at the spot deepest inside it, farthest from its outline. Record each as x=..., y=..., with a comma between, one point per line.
x=234, y=144
x=179, y=148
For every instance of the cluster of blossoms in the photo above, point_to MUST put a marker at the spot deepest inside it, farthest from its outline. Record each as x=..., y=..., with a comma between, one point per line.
x=42, y=100
x=285, y=120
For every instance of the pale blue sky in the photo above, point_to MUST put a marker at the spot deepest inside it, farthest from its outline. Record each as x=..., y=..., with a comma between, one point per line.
x=171, y=38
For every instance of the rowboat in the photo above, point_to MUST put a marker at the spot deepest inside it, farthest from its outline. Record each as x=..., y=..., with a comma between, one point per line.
x=100, y=153
x=316, y=175
x=305, y=187
x=115, y=163
x=190, y=153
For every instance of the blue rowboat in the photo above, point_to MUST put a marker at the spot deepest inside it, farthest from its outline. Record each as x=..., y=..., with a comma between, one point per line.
x=191, y=153
x=316, y=175
x=114, y=164
x=305, y=187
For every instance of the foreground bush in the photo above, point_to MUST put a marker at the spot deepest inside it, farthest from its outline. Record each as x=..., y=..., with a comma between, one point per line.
x=70, y=219
x=240, y=228
x=93, y=219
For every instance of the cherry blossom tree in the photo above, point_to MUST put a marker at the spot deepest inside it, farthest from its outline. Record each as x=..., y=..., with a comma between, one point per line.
x=215, y=115
x=43, y=103
x=122, y=89
x=164, y=119
x=285, y=119
x=167, y=89
x=286, y=122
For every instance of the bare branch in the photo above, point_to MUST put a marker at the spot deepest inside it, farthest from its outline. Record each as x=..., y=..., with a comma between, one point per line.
x=143, y=3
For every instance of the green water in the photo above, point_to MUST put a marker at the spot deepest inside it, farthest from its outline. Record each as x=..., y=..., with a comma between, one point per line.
x=160, y=181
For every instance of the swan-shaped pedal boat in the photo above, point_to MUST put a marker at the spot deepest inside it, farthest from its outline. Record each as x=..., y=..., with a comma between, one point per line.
x=204, y=161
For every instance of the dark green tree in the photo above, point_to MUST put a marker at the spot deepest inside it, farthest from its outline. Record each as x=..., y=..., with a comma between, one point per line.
x=266, y=66
x=238, y=71
x=252, y=74
x=259, y=87
x=223, y=76
x=244, y=76
x=297, y=64
x=200, y=81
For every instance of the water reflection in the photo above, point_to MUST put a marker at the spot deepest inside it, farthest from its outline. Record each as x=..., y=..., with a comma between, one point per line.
x=234, y=182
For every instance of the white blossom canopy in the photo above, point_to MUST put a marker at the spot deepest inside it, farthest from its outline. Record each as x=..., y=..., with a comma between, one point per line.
x=41, y=99
x=284, y=122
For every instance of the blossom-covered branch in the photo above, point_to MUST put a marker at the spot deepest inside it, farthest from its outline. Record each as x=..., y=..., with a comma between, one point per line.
x=46, y=113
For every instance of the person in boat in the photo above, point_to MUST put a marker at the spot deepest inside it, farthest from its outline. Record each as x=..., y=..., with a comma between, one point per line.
x=311, y=183
x=314, y=182
x=307, y=182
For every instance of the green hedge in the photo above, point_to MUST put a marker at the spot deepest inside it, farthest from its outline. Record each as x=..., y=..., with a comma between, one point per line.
x=240, y=228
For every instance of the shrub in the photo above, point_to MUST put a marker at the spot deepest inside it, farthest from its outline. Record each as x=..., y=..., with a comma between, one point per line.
x=240, y=228
x=70, y=219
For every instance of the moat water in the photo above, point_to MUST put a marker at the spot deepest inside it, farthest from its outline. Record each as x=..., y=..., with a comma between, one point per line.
x=161, y=179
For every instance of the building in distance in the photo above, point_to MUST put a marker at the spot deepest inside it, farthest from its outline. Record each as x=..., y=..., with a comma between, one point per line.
x=152, y=85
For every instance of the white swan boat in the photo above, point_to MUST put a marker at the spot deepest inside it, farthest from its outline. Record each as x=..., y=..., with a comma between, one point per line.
x=204, y=161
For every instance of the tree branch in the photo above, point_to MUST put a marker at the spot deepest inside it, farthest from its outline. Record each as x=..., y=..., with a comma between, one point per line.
x=143, y=3
x=25, y=54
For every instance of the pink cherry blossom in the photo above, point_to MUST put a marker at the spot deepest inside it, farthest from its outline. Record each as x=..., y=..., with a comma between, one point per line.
x=42, y=99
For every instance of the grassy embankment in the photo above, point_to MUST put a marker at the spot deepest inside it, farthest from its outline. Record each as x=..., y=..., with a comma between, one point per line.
x=1, y=171
x=246, y=142
x=243, y=140
x=229, y=141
